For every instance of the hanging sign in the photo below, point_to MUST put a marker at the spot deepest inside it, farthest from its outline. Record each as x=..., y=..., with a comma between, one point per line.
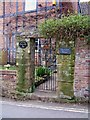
x=65, y=51
x=23, y=44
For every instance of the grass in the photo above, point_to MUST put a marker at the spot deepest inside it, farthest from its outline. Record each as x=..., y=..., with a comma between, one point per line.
x=13, y=67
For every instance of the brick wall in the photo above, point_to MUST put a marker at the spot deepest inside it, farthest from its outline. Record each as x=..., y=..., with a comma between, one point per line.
x=1, y=8
x=7, y=75
x=10, y=22
x=82, y=68
x=1, y=26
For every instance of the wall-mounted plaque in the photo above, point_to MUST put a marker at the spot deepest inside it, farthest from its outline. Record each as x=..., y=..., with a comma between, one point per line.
x=65, y=51
x=23, y=44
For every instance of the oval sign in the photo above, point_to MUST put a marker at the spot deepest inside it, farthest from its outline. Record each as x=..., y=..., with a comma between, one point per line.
x=23, y=44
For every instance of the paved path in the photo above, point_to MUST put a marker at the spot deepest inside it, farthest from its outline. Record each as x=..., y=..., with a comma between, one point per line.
x=41, y=110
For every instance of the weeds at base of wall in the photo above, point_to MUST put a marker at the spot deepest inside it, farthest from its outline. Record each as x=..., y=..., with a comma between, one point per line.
x=21, y=96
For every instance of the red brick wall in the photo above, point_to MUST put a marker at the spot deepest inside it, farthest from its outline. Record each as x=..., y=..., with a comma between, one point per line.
x=1, y=8
x=82, y=68
x=10, y=7
x=10, y=22
x=8, y=74
x=28, y=19
x=1, y=25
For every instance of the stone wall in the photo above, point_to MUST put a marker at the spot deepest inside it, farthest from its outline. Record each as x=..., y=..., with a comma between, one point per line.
x=82, y=68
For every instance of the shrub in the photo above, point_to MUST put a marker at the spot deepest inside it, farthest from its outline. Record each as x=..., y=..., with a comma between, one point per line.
x=70, y=26
x=47, y=71
x=41, y=71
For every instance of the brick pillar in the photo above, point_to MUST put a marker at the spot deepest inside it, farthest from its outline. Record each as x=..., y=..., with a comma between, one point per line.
x=82, y=68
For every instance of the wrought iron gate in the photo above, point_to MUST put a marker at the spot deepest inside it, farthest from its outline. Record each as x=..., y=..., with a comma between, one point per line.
x=45, y=64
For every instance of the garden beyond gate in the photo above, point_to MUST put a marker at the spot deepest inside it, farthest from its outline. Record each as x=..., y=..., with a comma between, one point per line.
x=45, y=65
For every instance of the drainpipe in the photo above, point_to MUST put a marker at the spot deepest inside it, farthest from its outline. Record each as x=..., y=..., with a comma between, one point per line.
x=79, y=9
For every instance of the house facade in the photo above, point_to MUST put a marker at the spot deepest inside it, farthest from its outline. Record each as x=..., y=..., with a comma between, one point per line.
x=15, y=16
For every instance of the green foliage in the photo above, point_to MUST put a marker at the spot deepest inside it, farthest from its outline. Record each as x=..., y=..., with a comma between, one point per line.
x=74, y=22
x=41, y=71
x=88, y=39
x=12, y=67
x=47, y=71
x=65, y=26
x=48, y=28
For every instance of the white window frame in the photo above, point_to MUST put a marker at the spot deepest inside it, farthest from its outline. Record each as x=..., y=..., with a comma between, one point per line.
x=30, y=5
x=84, y=0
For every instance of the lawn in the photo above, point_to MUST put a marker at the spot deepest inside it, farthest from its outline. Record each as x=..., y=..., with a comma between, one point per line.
x=13, y=67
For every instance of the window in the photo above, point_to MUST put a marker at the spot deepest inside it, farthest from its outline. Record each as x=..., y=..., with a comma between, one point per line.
x=84, y=0
x=30, y=5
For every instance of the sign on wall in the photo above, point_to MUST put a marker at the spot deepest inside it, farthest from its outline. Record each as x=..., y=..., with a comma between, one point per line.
x=65, y=51
x=23, y=44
